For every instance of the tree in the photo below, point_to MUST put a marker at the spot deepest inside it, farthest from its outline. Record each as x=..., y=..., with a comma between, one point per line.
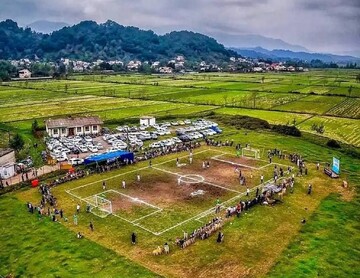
x=17, y=142
x=358, y=78
x=34, y=126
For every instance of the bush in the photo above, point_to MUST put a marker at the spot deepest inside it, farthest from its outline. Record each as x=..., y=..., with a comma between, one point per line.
x=242, y=122
x=287, y=130
x=333, y=144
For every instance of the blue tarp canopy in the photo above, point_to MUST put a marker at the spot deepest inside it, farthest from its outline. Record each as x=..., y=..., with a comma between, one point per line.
x=111, y=156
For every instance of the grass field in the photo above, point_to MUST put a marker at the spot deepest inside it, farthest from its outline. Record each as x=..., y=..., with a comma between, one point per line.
x=266, y=241
x=252, y=235
x=40, y=248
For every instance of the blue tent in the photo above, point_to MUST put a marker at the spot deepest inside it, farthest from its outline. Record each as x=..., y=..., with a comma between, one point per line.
x=111, y=156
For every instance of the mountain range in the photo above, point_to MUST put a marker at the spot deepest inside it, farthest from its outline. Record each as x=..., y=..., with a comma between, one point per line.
x=89, y=40
x=284, y=55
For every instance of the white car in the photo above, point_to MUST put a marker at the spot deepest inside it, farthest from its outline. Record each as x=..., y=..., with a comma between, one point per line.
x=76, y=161
x=83, y=148
x=61, y=157
x=88, y=139
x=93, y=149
x=99, y=146
x=176, y=140
x=155, y=145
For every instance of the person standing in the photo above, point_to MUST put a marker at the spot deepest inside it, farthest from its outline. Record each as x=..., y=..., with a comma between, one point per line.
x=91, y=226
x=318, y=166
x=257, y=191
x=262, y=179
x=123, y=184
x=77, y=208
x=75, y=219
x=190, y=159
x=133, y=238
x=61, y=213
x=166, y=248
x=291, y=187
x=309, y=189
x=247, y=191
x=138, y=178
x=104, y=185
x=220, y=237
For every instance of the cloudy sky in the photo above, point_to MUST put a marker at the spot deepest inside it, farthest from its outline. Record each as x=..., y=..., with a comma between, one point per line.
x=319, y=25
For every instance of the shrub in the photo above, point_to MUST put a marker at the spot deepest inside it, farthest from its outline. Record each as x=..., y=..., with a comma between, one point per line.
x=333, y=144
x=287, y=130
x=243, y=122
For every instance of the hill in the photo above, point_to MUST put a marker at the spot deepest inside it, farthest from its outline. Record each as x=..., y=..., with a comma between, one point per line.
x=253, y=40
x=89, y=41
x=280, y=54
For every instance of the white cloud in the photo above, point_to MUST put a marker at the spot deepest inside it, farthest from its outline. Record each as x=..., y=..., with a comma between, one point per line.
x=321, y=25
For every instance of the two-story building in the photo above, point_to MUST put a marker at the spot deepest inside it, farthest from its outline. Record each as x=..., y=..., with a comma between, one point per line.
x=73, y=126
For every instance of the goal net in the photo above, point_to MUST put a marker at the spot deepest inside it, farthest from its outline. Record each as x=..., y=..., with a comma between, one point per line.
x=250, y=152
x=99, y=206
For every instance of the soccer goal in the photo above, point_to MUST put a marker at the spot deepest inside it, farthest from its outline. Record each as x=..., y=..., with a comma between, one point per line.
x=99, y=206
x=250, y=152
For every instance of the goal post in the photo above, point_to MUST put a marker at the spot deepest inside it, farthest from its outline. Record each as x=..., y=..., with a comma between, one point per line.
x=99, y=206
x=250, y=152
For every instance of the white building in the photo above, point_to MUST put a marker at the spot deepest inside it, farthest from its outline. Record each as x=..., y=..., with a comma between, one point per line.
x=24, y=73
x=7, y=163
x=73, y=126
x=147, y=121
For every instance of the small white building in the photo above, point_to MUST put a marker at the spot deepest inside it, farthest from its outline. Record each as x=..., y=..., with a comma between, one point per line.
x=147, y=121
x=73, y=126
x=24, y=73
x=7, y=163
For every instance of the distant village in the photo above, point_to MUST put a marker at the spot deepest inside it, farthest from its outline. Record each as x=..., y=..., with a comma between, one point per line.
x=176, y=65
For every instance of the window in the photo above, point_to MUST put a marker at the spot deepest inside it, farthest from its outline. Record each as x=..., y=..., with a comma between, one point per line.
x=63, y=130
x=55, y=131
x=78, y=129
x=94, y=127
x=87, y=128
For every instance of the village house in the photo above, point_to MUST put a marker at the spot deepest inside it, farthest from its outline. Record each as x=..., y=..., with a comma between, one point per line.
x=7, y=163
x=24, y=73
x=147, y=121
x=165, y=70
x=73, y=126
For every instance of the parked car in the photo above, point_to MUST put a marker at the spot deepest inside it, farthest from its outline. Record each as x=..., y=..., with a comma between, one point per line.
x=76, y=161
x=93, y=149
x=83, y=148
x=88, y=138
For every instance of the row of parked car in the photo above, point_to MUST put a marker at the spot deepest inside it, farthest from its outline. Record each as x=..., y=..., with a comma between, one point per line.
x=61, y=147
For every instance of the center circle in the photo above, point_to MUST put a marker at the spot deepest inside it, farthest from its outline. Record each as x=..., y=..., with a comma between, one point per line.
x=192, y=178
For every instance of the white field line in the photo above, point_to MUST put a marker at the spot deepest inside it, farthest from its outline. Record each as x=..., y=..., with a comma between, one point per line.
x=145, y=216
x=250, y=158
x=205, y=182
x=196, y=217
x=136, y=170
x=133, y=199
x=237, y=164
x=216, y=157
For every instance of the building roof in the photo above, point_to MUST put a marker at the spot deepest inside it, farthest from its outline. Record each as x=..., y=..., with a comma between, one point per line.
x=73, y=122
x=5, y=151
x=146, y=117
